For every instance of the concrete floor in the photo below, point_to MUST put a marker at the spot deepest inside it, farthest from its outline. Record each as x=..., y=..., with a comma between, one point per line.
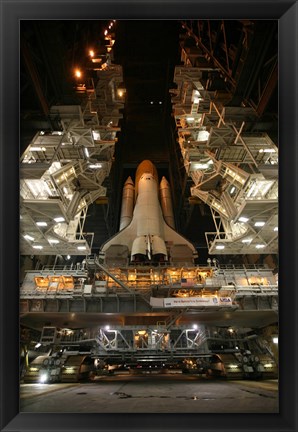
x=152, y=394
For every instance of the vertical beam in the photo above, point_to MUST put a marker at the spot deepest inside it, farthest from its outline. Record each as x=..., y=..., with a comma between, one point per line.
x=34, y=77
x=226, y=47
x=268, y=91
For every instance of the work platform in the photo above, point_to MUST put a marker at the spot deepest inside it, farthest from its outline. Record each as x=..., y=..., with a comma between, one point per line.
x=147, y=289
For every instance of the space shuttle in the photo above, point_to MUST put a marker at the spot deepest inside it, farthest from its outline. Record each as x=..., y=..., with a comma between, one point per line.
x=147, y=227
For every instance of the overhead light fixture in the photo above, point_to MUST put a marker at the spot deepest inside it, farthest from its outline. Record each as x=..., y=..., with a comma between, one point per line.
x=82, y=248
x=247, y=240
x=96, y=135
x=37, y=149
x=91, y=53
x=121, y=90
x=59, y=219
x=78, y=73
x=28, y=237
x=203, y=135
x=275, y=229
x=260, y=246
x=219, y=247
x=37, y=247
x=275, y=339
x=251, y=189
x=190, y=119
x=53, y=241
x=86, y=152
x=68, y=257
x=259, y=224
x=41, y=224
x=95, y=166
x=232, y=189
x=200, y=166
x=266, y=187
x=243, y=219
x=267, y=150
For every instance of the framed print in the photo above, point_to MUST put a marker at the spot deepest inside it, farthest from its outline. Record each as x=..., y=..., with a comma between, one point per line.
x=148, y=215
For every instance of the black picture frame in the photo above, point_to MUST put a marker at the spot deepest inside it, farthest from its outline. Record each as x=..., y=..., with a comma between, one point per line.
x=286, y=12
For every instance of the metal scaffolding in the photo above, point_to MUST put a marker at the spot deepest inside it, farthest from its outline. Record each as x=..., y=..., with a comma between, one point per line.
x=234, y=171
x=62, y=171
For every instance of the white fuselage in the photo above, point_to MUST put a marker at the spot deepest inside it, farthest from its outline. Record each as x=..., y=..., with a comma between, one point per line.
x=147, y=212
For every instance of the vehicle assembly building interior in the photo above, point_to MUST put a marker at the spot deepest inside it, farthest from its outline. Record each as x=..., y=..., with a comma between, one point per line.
x=149, y=200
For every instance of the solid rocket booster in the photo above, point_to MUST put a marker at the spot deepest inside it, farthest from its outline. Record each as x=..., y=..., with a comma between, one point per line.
x=166, y=202
x=127, y=203
x=145, y=233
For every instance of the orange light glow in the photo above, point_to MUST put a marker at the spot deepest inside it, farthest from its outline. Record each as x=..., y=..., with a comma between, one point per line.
x=91, y=53
x=78, y=73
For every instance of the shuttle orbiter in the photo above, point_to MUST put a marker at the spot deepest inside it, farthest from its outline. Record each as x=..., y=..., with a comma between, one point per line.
x=147, y=224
